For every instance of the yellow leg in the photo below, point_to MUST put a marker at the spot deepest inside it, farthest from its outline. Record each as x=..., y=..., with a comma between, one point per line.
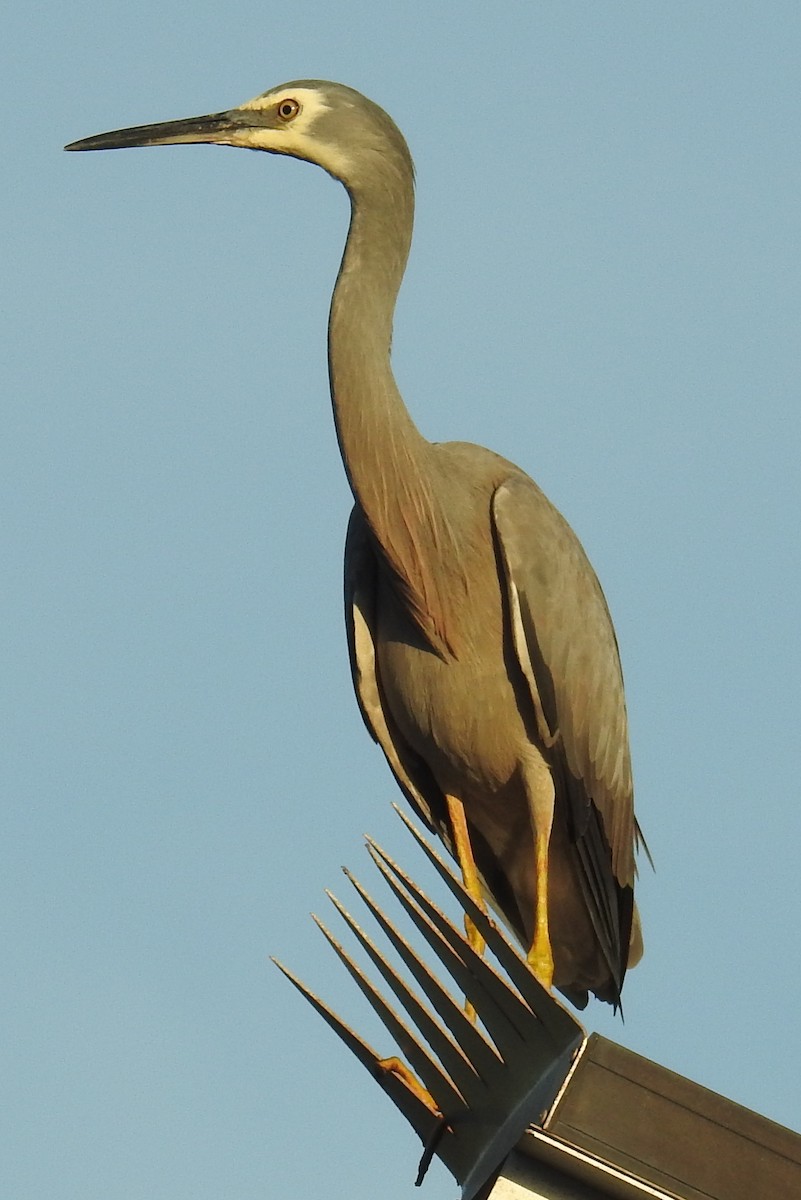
x=540, y=956
x=398, y=1068
x=467, y=864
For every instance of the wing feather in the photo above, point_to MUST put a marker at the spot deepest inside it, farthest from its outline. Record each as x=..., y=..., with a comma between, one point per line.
x=568, y=653
x=565, y=642
x=413, y=775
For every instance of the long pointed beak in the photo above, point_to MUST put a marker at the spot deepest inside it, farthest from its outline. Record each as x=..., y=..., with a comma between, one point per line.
x=217, y=127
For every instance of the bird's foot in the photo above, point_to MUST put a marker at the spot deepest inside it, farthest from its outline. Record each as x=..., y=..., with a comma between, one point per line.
x=398, y=1068
x=476, y=941
x=540, y=960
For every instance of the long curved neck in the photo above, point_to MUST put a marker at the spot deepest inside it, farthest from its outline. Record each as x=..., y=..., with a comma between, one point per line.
x=389, y=463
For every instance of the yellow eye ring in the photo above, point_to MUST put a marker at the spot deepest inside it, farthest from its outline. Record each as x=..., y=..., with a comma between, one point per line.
x=288, y=109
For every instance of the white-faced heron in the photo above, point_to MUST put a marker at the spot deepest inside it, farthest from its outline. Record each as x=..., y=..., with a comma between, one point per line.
x=483, y=655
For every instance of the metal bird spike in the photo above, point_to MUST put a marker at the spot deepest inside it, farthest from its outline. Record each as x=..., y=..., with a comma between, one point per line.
x=469, y=1090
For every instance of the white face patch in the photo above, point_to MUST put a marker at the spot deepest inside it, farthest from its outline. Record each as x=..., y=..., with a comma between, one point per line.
x=309, y=99
x=296, y=136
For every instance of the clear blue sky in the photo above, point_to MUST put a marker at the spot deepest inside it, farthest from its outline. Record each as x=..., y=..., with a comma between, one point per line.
x=604, y=286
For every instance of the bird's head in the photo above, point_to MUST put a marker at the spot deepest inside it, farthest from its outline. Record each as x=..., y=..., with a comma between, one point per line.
x=325, y=123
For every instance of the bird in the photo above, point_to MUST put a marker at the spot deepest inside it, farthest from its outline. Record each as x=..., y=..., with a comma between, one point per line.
x=483, y=655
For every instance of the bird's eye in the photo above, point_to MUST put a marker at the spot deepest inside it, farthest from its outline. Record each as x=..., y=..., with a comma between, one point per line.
x=288, y=109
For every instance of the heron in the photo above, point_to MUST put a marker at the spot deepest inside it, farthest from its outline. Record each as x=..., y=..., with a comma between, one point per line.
x=483, y=655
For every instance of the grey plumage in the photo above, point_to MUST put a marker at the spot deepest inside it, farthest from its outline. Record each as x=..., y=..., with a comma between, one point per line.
x=483, y=655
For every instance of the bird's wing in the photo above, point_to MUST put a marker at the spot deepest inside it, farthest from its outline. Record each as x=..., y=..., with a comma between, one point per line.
x=567, y=650
x=413, y=776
